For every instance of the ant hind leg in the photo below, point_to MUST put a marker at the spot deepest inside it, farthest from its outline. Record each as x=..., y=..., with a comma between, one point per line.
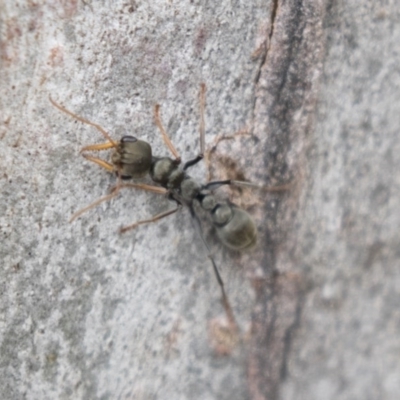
x=209, y=153
x=152, y=219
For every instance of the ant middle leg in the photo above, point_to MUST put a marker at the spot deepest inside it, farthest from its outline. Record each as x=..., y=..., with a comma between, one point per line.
x=200, y=156
x=165, y=137
x=114, y=191
x=192, y=162
x=168, y=141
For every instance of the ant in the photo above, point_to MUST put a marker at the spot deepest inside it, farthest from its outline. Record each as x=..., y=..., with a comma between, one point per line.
x=132, y=159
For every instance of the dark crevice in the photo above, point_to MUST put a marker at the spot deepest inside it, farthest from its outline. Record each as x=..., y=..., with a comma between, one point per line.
x=267, y=42
x=273, y=16
x=284, y=82
x=296, y=32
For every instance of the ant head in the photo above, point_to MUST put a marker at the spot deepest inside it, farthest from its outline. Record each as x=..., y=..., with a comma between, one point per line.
x=133, y=157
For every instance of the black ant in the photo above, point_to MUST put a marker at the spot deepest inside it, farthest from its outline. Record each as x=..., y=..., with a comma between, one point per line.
x=132, y=158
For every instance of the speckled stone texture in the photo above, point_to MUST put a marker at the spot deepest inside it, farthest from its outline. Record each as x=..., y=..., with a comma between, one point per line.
x=307, y=95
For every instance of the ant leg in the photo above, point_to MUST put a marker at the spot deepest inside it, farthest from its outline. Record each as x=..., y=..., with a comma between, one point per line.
x=165, y=137
x=94, y=204
x=216, y=184
x=153, y=219
x=279, y=188
x=93, y=147
x=142, y=186
x=220, y=138
x=85, y=121
x=225, y=302
x=149, y=188
x=190, y=163
x=168, y=141
x=114, y=191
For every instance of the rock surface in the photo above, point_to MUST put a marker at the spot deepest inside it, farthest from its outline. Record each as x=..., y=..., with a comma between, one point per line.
x=306, y=95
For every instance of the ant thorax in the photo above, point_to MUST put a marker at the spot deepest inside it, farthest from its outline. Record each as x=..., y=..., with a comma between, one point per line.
x=169, y=174
x=166, y=172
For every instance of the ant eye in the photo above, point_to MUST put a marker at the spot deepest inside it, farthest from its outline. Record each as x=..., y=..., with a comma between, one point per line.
x=128, y=139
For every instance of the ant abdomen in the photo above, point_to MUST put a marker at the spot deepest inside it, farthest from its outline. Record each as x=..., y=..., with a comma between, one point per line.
x=235, y=227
